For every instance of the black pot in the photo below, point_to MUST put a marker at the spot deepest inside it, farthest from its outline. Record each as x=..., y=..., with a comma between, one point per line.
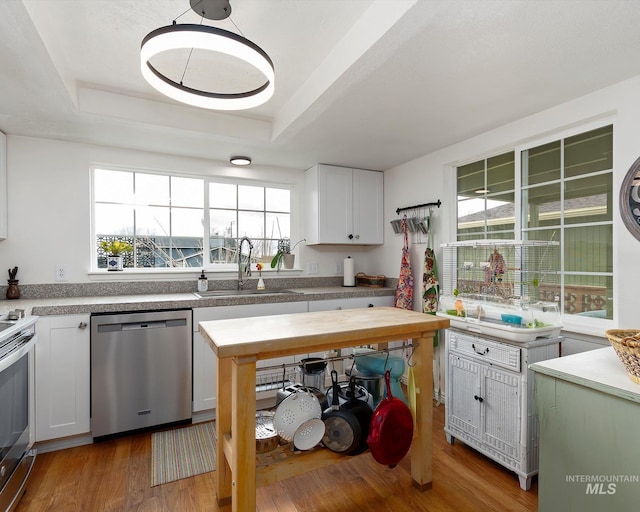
x=362, y=411
x=342, y=428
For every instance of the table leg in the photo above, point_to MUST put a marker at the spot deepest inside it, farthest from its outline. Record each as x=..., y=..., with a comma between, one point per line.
x=243, y=434
x=223, y=426
x=421, y=447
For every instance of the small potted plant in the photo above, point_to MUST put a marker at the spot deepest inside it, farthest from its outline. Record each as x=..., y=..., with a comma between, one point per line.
x=283, y=256
x=114, y=249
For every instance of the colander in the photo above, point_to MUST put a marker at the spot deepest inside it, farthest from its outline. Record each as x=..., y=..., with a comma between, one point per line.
x=293, y=411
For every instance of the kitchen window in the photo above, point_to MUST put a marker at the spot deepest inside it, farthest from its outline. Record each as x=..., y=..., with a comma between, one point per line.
x=186, y=221
x=562, y=190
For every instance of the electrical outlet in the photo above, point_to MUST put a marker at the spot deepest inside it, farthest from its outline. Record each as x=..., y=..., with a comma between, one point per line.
x=61, y=273
x=312, y=267
x=338, y=267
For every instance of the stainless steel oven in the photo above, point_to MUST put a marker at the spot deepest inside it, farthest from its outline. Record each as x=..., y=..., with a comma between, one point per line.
x=17, y=342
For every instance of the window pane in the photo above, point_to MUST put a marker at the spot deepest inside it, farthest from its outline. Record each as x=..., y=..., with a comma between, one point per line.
x=152, y=220
x=589, y=296
x=250, y=198
x=223, y=223
x=278, y=200
x=541, y=164
x=589, y=152
x=542, y=206
x=471, y=215
x=501, y=213
x=222, y=250
x=470, y=179
x=251, y=224
x=113, y=186
x=222, y=195
x=152, y=189
x=588, y=199
x=187, y=192
x=114, y=219
x=501, y=173
x=186, y=222
x=278, y=225
x=588, y=249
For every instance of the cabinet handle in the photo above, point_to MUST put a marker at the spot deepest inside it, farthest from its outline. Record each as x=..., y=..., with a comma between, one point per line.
x=370, y=305
x=357, y=237
x=82, y=325
x=483, y=353
x=350, y=237
x=478, y=398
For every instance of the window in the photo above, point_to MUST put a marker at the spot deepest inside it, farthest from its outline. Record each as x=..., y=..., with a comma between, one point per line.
x=565, y=194
x=164, y=219
x=486, y=199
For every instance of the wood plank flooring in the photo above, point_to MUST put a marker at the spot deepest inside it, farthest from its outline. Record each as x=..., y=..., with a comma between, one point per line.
x=115, y=476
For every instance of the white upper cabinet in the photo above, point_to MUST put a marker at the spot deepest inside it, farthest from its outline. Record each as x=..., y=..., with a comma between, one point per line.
x=344, y=205
x=3, y=186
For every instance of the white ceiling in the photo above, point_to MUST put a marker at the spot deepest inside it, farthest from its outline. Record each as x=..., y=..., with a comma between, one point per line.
x=364, y=83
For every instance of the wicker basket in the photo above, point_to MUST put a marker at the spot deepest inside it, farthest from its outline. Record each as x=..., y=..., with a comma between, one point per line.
x=626, y=343
x=371, y=281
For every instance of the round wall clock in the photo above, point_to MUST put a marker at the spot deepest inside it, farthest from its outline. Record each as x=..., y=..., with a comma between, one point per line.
x=630, y=199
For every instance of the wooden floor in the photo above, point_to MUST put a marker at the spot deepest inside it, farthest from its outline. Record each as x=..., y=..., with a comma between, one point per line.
x=116, y=476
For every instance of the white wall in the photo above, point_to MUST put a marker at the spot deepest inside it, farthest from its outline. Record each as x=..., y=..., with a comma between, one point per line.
x=49, y=209
x=432, y=177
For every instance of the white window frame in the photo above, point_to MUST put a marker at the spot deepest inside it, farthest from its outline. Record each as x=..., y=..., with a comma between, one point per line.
x=573, y=323
x=207, y=266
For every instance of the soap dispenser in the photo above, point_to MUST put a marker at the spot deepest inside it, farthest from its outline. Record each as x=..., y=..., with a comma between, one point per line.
x=203, y=283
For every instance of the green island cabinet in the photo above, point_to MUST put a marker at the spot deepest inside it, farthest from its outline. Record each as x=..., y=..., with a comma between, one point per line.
x=589, y=423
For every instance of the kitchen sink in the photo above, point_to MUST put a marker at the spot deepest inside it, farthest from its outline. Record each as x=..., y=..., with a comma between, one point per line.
x=236, y=293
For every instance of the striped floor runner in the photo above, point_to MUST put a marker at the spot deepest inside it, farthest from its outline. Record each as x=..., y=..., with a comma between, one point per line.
x=183, y=452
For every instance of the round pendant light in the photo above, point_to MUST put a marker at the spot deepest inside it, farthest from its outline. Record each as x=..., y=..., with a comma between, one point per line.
x=203, y=37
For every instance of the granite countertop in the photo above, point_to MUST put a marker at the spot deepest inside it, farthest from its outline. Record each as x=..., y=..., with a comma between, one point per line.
x=161, y=301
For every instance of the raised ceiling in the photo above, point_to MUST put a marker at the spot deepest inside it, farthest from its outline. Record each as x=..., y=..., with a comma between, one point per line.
x=364, y=83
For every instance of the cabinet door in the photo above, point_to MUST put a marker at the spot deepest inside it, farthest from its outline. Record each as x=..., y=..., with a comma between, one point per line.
x=205, y=369
x=367, y=207
x=62, y=382
x=501, y=410
x=464, y=395
x=335, y=204
x=204, y=359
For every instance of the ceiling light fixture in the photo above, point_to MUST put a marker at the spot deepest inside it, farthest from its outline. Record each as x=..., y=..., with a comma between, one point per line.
x=204, y=37
x=240, y=160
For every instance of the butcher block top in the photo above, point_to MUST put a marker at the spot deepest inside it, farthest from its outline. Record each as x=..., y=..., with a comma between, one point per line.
x=266, y=337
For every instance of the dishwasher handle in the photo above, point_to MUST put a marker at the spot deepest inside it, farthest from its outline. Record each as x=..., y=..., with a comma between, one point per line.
x=135, y=326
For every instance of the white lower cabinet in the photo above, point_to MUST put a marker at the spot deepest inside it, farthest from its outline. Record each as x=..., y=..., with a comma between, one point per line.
x=489, y=398
x=62, y=377
x=204, y=359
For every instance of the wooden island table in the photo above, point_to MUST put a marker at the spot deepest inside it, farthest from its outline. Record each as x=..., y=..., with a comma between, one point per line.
x=239, y=343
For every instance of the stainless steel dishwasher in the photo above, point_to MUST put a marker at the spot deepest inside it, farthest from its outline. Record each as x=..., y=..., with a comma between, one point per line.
x=141, y=370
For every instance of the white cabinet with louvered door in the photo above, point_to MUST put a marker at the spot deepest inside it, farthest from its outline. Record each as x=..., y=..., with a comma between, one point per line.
x=489, y=397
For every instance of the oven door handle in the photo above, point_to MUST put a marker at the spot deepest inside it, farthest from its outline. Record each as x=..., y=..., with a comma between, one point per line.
x=23, y=349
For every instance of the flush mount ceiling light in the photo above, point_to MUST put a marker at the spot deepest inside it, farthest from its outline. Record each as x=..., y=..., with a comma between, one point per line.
x=240, y=160
x=204, y=37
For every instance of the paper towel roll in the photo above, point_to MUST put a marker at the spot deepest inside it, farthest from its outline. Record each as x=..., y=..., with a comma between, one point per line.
x=349, y=272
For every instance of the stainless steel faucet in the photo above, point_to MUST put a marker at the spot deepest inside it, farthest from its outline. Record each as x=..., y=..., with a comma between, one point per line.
x=248, y=267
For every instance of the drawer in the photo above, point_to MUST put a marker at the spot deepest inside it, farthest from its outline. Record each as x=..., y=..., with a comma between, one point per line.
x=484, y=349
